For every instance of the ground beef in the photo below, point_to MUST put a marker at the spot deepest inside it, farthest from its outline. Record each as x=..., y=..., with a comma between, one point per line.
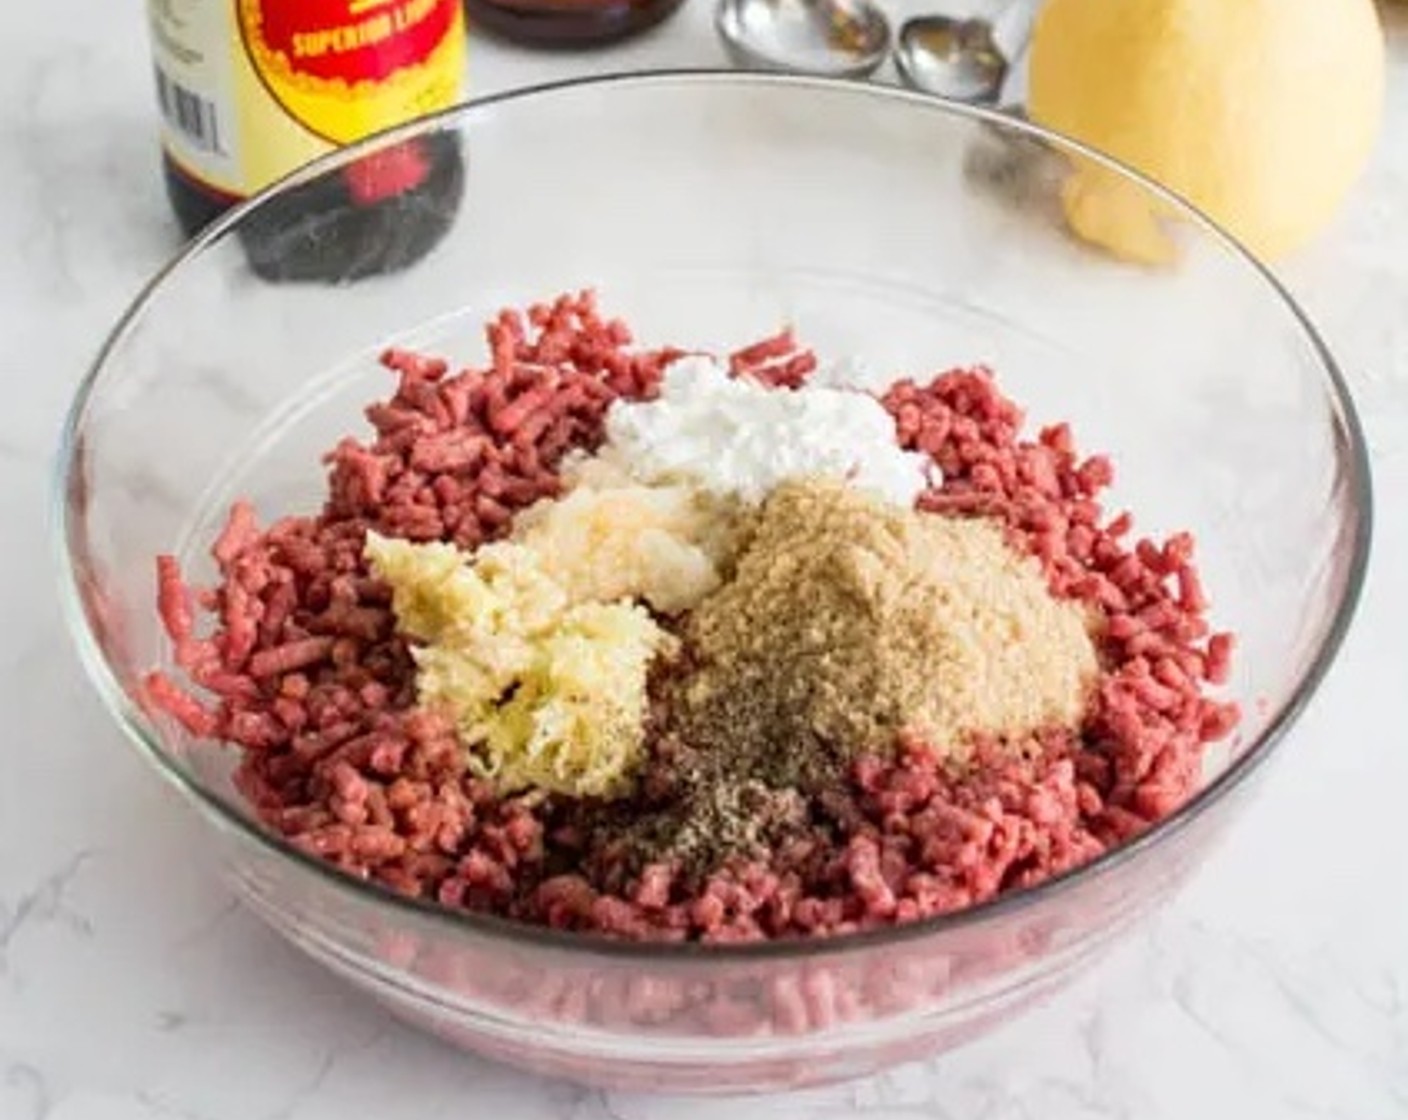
x=302, y=672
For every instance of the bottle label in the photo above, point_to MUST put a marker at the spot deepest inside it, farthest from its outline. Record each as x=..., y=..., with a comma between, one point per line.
x=251, y=89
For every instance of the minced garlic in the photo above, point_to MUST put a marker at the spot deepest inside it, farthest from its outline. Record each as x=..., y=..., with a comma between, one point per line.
x=546, y=693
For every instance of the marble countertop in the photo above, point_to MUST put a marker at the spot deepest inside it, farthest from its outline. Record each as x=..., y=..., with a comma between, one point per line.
x=133, y=988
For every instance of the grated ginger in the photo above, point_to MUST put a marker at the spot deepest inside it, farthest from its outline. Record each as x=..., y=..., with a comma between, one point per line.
x=611, y=537
x=546, y=693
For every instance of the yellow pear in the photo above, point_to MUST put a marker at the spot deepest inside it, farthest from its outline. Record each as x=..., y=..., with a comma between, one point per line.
x=1262, y=113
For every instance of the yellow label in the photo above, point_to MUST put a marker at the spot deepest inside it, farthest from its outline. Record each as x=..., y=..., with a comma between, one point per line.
x=251, y=89
x=195, y=81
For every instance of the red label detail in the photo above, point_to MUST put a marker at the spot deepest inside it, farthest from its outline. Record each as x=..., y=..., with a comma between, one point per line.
x=384, y=174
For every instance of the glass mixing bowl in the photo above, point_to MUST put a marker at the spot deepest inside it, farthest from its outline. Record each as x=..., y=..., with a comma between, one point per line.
x=708, y=209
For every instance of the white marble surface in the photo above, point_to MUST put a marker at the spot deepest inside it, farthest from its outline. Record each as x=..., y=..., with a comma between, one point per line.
x=131, y=988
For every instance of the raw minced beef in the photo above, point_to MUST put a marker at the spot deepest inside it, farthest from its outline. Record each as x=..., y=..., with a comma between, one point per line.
x=303, y=673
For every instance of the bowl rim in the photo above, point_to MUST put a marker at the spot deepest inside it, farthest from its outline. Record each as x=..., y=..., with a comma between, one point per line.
x=64, y=528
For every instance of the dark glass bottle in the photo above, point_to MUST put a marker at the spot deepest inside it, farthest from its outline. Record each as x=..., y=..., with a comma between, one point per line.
x=251, y=89
x=568, y=23
x=326, y=231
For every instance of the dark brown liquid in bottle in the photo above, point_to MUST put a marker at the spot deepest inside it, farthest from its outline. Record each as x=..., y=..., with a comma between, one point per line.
x=568, y=23
x=329, y=231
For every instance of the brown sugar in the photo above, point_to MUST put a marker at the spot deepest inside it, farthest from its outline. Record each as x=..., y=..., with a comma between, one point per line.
x=850, y=619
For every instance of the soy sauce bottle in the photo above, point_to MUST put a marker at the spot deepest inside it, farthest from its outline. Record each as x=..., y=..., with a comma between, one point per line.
x=249, y=90
x=568, y=23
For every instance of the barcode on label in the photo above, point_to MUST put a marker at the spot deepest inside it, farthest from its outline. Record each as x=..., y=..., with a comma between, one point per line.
x=195, y=117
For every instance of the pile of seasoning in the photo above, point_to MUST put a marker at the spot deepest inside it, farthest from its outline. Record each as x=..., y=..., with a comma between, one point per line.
x=849, y=622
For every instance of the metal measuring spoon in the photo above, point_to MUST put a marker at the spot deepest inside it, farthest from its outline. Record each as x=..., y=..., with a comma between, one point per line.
x=831, y=38
x=963, y=59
